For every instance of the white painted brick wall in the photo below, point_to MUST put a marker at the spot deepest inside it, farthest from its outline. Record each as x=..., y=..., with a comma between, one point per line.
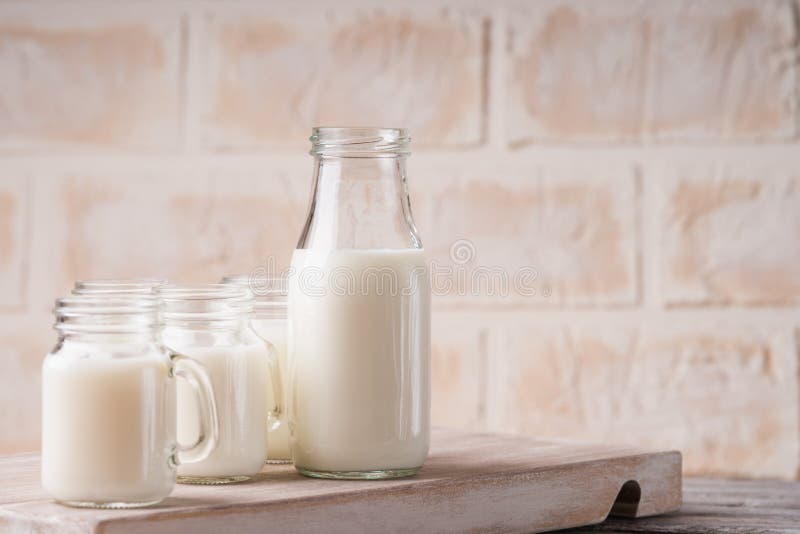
x=642, y=156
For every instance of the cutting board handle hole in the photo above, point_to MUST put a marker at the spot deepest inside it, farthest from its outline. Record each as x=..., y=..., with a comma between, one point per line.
x=627, y=502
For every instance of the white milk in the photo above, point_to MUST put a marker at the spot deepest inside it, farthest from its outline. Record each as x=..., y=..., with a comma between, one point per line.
x=359, y=364
x=239, y=376
x=275, y=331
x=107, y=425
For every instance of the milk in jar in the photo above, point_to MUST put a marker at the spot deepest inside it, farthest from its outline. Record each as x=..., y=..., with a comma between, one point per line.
x=109, y=408
x=275, y=331
x=210, y=324
x=107, y=424
x=239, y=375
x=269, y=324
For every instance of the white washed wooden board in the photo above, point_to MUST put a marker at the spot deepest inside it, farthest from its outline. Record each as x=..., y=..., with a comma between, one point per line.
x=477, y=482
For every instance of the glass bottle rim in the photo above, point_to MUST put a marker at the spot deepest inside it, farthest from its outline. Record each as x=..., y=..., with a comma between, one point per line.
x=359, y=141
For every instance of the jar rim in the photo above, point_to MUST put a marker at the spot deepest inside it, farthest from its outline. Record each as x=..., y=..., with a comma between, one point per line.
x=120, y=285
x=192, y=303
x=97, y=304
x=359, y=141
x=261, y=286
x=170, y=292
x=270, y=293
x=118, y=313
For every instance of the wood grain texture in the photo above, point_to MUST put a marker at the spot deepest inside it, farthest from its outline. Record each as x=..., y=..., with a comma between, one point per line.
x=722, y=506
x=471, y=482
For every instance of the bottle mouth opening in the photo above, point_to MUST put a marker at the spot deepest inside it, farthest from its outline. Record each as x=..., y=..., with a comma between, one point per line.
x=359, y=142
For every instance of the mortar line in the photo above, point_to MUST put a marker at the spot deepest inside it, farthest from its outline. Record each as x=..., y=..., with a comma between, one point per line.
x=483, y=385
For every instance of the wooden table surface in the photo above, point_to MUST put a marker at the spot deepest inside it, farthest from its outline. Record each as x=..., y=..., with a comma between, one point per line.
x=724, y=506
x=479, y=482
x=471, y=482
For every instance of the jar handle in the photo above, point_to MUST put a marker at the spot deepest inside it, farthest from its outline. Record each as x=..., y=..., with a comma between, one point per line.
x=276, y=410
x=196, y=374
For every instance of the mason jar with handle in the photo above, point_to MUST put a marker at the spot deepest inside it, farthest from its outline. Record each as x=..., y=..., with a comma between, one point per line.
x=212, y=324
x=359, y=314
x=108, y=405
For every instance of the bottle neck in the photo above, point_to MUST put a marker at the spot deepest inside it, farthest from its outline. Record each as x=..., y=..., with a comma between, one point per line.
x=359, y=203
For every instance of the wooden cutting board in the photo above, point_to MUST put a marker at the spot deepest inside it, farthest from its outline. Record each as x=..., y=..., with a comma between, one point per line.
x=475, y=482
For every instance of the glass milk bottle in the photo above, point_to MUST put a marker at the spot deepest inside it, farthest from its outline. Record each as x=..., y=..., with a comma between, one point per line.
x=211, y=324
x=269, y=324
x=359, y=314
x=108, y=405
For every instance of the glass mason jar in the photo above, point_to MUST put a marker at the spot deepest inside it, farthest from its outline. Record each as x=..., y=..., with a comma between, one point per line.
x=269, y=323
x=139, y=286
x=211, y=323
x=359, y=314
x=108, y=405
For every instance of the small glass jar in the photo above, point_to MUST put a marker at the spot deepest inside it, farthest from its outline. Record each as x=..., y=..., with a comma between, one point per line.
x=118, y=286
x=269, y=323
x=108, y=405
x=211, y=323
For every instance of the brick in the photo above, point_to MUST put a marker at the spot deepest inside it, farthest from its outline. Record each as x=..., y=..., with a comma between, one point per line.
x=15, y=206
x=271, y=78
x=726, y=396
x=544, y=236
x=577, y=71
x=251, y=220
x=24, y=341
x=190, y=229
x=730, y=235
x=75, y=81
x=626, y=71
x=456, y=373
